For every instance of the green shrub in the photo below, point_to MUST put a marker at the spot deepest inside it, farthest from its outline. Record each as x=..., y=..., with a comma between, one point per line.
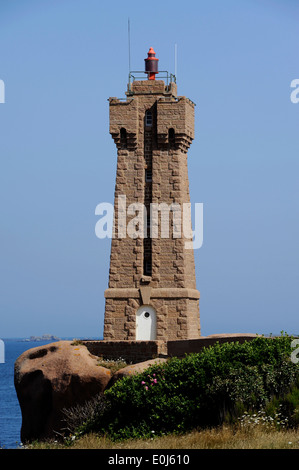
x=200, y=389
x=286, y=405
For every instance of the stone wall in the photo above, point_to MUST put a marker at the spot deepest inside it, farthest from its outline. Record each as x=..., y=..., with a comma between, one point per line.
x=139, y=351
x=180, y=348
x=131, y=351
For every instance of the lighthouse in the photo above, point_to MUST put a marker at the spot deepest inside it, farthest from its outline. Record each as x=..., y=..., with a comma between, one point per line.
x=152, y=293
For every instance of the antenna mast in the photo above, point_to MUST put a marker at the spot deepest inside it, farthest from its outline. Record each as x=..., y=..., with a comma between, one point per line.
x=175, y=59
x=129, y=44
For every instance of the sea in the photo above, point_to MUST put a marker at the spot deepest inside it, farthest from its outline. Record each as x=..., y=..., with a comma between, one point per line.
x=10, y=412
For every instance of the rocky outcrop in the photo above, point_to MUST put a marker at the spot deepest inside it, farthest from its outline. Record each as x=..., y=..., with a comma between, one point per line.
x=53, y=377
x=61, y=375
x=65, y=374
x=134, y=369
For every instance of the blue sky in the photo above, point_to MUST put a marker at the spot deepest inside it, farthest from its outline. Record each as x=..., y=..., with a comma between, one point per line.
x=60, y=62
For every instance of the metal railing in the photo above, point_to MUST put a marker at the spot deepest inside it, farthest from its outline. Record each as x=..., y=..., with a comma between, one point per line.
x=135, y=75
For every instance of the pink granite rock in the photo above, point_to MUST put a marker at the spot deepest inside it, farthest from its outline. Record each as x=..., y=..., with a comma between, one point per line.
x=53, y=377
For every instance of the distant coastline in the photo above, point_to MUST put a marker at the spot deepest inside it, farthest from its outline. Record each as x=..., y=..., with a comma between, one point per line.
x=41, y=338
x=37, y=339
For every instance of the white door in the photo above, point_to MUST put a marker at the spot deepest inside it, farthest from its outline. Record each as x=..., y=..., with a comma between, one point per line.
x=146, y=323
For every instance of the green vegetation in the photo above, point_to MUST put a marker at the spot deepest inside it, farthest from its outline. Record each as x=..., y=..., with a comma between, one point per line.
x=223, y=384
x=113, y=364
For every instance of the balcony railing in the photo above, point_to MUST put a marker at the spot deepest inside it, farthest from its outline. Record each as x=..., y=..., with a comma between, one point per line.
x=163, y=75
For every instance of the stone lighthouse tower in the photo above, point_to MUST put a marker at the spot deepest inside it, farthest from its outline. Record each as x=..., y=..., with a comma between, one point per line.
x=152, y=291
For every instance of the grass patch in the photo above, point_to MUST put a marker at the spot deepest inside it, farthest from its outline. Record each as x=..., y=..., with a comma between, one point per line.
x=113, y=364
x=222, y=437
